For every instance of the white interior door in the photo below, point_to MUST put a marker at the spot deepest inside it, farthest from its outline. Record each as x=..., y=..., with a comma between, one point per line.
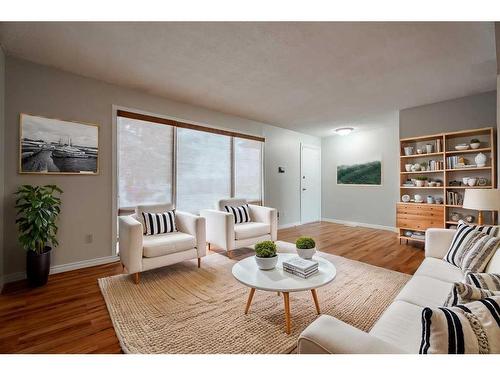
x=310, y=184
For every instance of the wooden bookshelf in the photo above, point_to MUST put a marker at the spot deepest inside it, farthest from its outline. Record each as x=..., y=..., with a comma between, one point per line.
x=417, y=217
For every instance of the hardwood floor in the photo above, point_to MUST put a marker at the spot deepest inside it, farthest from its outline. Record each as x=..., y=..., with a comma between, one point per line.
x=69, y=314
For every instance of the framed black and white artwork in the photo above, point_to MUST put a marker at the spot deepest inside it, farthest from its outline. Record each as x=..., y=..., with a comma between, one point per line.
x=53, y=146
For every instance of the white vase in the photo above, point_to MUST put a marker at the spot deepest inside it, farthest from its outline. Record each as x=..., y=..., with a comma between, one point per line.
x=266, y=263
x=419, y=183
x=306, y=253
x=480, y=159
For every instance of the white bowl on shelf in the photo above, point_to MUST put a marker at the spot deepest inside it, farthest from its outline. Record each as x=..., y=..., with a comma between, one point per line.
x=461, y=147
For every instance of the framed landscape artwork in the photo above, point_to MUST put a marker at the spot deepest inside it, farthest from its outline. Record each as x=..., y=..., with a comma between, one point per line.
x=367, y=173
x=52, y=146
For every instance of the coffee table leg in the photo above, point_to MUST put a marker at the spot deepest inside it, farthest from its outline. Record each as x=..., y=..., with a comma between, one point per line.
x=315, y=298
x=286, y=298
x=249, y=301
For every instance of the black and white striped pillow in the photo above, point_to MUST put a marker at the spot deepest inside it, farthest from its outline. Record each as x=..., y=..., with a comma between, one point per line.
x=473, y=328
x=464, y=293
x=489, y=281
x=473, y=246
x=157, y=223
x=241, y=214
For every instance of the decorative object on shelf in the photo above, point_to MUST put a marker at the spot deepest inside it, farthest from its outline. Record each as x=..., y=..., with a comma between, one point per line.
x=51, y=146
x=405, y=198
x=424, y=166
x=455, y=216
x=481, y=181
x=430, y=199
x=306, y=247
x=408, y=167
x=482, y=200
x=369, y=173
x=420, y=181
x=439, y=200
x=465, y=180
x=438, y=183
x=455, y=183
x=429, y=148
x=469, y=218
x=475, y=143
x=408, y=233
x=419, y=151
x=418, y=198
x=415, y=167
x=265, y=255
x=409, y=150
x=37, y=210
x=471, y=181
x=480, y=159
x=432, y=184
x=462, y=147
x=408, y=183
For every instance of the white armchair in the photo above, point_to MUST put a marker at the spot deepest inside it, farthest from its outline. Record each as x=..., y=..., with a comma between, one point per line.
x=225, y=234
x=139, y=252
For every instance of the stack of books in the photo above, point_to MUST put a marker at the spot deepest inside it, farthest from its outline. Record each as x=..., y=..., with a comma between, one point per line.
x=301, y=267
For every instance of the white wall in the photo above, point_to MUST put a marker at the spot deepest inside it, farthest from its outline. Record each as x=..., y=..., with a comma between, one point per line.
x=282, y=190
x=372, y=205
x=87, y=200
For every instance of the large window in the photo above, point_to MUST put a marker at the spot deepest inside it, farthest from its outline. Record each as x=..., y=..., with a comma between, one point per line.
x=203, y=169
x=145, y=162
x=162, y=160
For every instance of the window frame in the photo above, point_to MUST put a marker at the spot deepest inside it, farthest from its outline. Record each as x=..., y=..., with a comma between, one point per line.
x=137, y=115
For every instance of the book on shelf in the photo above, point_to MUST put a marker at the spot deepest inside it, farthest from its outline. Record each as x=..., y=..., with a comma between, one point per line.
x=454, y=198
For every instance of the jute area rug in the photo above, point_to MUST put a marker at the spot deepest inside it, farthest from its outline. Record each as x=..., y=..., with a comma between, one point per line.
x=184, y=309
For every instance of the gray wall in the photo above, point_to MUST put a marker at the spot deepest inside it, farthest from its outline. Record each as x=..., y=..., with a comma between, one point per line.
x=2, y=143
x=475, y=111
x=87, y=200
x=372, y=205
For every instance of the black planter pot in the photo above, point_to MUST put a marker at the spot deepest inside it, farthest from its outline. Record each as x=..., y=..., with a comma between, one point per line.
x=38, y=267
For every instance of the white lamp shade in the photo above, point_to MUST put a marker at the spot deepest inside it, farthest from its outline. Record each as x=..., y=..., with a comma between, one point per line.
x=482, y=199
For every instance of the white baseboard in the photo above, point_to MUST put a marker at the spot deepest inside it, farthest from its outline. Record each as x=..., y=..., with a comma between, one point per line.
x=357, y=224
x=65, y=267
x=285, y=226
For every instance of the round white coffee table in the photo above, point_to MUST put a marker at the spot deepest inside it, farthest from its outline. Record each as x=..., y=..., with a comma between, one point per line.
x=277, y=280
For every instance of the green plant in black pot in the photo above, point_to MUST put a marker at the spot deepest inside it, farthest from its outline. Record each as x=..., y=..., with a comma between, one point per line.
x=306, y=247
x=37, y=210
x=265, y=255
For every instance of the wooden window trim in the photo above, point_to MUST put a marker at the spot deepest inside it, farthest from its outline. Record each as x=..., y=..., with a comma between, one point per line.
x=185, y=125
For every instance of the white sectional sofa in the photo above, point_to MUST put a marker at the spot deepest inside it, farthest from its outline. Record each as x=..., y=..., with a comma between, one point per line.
x=399, y=328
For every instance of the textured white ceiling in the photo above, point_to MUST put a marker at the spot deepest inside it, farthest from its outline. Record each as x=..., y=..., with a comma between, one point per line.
x=309, y=77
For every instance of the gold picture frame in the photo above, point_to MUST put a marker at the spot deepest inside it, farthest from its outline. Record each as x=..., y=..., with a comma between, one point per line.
x=52, y=146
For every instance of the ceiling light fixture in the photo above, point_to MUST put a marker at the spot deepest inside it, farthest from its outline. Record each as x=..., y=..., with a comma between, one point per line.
x=344, y=131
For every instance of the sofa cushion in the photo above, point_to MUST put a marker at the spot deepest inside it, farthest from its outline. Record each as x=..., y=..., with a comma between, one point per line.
x=400, y=325
x=464, y=329
x=439, y=269
x=250, y=230
x=425, y=291
x=168, y=243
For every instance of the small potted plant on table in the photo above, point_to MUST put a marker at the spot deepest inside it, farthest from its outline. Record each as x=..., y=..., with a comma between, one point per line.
x=265, y=255
x=37, y=210
x=306, y=247
x=420, y=181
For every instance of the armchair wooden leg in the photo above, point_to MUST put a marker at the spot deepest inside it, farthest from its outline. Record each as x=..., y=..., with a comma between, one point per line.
x=137, y=277
x=199, y=262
